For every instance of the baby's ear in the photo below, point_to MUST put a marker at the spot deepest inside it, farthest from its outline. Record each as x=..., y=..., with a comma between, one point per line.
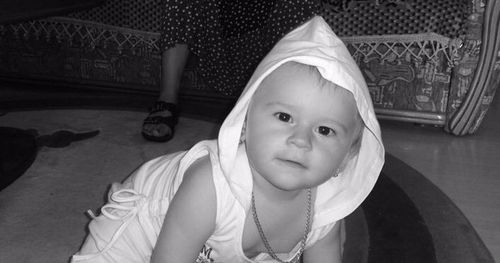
x=352, y=154
x=356, y=143
x=353, y=151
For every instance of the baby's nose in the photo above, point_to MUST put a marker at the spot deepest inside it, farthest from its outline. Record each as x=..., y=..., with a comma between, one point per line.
x=301, y=138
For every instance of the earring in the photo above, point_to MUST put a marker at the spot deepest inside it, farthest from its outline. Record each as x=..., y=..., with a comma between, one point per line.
x=337, y=172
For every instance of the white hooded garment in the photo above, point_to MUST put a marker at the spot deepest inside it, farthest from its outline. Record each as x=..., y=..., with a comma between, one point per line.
x=129, y=225
x=314, y=44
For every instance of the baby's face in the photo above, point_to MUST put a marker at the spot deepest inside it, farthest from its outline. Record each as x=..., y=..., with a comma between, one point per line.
x=297, y=133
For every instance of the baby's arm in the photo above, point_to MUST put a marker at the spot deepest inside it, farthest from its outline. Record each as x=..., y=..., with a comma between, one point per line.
x=327, y=249
x=190, y=219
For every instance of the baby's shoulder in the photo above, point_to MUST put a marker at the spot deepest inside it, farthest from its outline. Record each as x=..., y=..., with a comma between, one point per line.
x=198, y=176
x=200, y=167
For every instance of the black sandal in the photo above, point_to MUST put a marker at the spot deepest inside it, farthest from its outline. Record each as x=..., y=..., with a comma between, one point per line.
x=170, y=121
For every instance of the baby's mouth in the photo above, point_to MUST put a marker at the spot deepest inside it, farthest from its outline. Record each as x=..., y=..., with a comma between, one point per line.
x=292, y=163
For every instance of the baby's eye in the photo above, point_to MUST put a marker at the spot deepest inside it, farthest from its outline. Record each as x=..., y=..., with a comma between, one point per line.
x=285, y=117
x=323, y=130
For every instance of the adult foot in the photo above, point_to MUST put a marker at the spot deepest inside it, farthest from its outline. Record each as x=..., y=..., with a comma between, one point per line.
x=159, y=126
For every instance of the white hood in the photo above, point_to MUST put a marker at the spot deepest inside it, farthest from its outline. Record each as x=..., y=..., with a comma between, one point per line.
x=314, y=44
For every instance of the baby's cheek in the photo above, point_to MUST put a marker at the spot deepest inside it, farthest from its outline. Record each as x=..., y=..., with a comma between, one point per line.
x=332, y=159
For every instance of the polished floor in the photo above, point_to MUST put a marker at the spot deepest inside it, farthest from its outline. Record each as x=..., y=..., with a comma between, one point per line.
x=467, y=169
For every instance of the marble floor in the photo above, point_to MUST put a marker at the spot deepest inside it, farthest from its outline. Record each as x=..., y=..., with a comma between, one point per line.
x=466, y=168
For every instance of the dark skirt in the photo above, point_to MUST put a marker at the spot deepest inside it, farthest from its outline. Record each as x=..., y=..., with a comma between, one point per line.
x=230, y=38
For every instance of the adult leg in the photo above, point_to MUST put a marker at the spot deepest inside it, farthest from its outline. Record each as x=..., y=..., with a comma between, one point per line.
x=173, y=61
x=159, y=125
